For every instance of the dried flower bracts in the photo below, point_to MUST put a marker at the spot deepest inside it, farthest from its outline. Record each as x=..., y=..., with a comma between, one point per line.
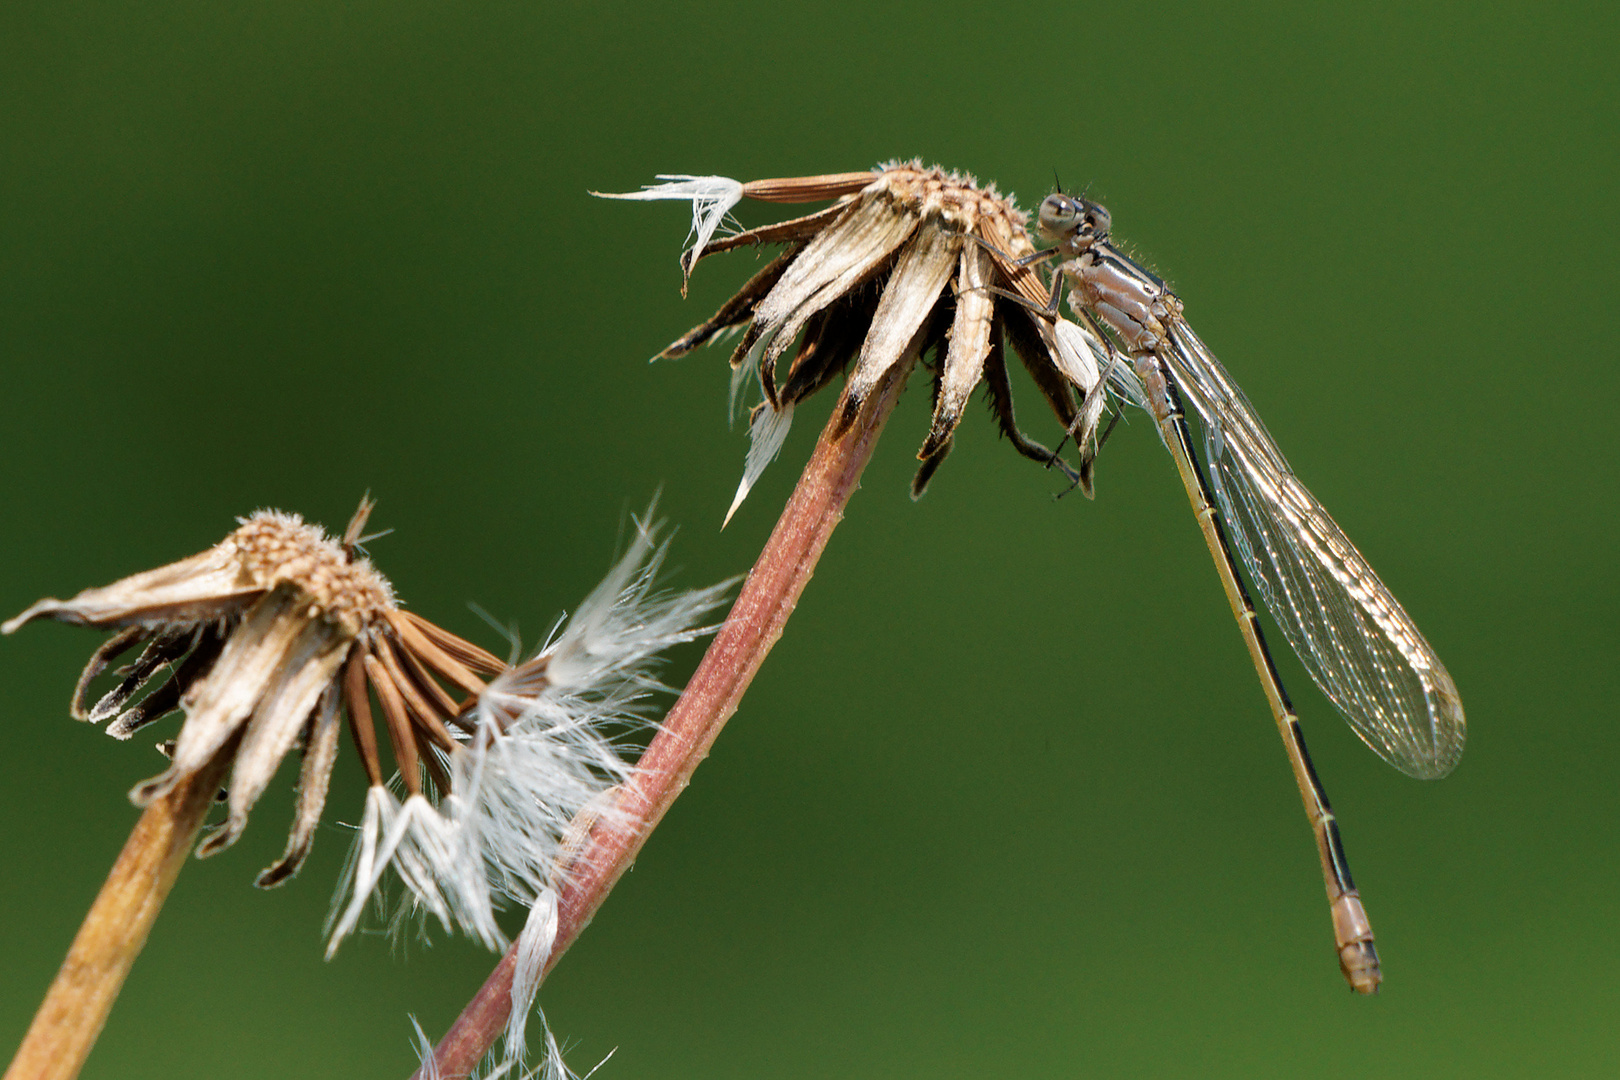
x=908, y=262
x=270, y=638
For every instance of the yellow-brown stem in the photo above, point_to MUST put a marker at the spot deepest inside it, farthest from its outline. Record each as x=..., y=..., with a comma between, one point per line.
x=76, y=1007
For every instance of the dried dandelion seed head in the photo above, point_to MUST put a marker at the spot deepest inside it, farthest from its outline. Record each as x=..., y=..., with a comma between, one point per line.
x=908, y=262
x=271, y=637
x=253, y=633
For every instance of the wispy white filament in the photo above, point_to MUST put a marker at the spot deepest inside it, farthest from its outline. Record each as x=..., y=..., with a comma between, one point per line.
x=712, y=198
x=1126, y=384
x=364, y=868
x=745, y=374
x=429, y=1068
x=533, y=951
x=767, y=433
x=550, y=746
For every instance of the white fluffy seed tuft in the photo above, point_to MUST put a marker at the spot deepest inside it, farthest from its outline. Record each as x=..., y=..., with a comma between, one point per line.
x=712, y=198
x=553, y=738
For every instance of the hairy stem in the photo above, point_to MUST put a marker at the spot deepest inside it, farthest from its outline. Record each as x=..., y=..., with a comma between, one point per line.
x=755, y=623
x=76, y=1006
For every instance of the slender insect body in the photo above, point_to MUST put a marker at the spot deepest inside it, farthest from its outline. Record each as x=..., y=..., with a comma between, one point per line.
x=1359, y=646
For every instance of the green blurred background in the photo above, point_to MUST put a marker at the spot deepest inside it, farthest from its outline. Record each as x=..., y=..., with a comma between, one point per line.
x=1006, y=800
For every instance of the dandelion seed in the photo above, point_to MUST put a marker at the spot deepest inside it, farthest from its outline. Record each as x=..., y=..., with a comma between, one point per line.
x=712, y=198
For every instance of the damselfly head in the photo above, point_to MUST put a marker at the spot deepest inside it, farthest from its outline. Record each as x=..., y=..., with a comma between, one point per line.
x=1073, y=221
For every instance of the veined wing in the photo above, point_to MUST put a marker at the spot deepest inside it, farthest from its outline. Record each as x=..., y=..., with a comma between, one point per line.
x=1352, y=635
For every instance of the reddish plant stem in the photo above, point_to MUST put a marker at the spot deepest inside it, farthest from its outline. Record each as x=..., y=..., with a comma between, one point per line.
x=76, y=1007
x=755, y=623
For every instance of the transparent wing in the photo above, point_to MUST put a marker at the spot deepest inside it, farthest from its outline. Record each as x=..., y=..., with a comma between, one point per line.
x=1351, y=634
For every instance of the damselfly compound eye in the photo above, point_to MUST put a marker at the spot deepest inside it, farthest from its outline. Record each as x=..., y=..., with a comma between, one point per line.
x=1059, y=214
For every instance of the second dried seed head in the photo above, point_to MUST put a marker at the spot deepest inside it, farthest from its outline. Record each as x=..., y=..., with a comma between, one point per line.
x=275, y=635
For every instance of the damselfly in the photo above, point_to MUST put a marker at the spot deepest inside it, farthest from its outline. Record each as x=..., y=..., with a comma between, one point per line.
x=1354, y=638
